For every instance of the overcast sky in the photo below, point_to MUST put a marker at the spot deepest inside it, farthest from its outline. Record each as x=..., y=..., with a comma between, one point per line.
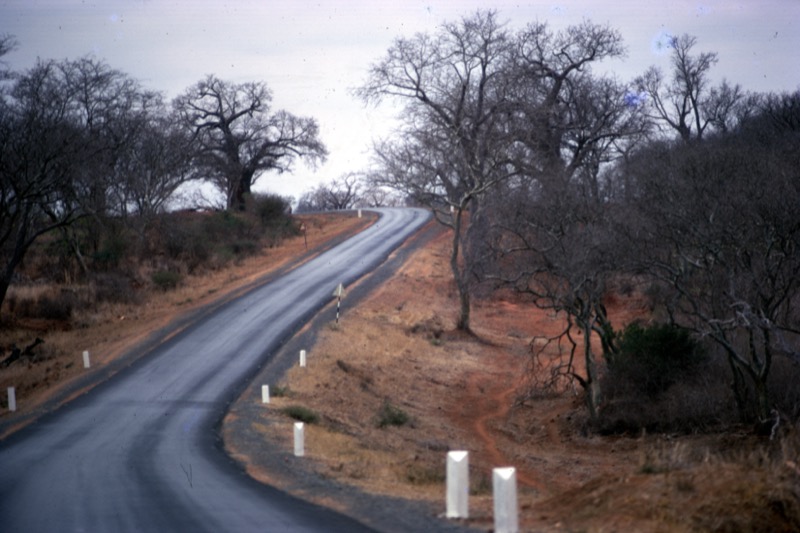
x=311, y=53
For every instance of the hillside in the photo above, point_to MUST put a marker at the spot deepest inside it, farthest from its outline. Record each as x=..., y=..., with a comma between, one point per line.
x=393, y=387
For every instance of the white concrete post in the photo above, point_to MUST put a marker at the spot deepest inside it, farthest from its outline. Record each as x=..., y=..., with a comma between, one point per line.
x=299, y=440
x=264, y=393
x=458, y=484
x=506, y=513
x=359, y=213
x=302, y=358
x=12, y=399
x=86, y=363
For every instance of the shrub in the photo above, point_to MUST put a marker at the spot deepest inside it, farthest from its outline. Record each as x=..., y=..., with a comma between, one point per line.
x=114, y=288
x=55, y=307
x=243, y=247
x=662, y=380
x=279, y=392
x=652, y=358
x=301, y=414
x=165, y=280
x=226, y=225
x=270, y=209
x=112, y=252
x=389, y=415
x=784, y=392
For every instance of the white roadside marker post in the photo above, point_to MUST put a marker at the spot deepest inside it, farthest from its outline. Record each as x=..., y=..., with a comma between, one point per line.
x=359, y=213
x=339, y=293
x=264, y=393
x=302, y=358
x=86, y=363
x=299, y=439
x=504, y=486
x=458, y=484
x=12, y=399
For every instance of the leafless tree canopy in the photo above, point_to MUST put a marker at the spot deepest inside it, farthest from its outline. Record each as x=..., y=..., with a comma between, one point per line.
x=344, y=192
x=238, y=136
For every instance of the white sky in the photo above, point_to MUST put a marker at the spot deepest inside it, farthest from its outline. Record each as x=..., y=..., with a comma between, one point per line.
x=311, y=53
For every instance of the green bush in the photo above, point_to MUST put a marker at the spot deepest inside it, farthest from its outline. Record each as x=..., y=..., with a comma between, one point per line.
x=112, y=252
x=652, y=358
x=301, y=414
x=389, y=415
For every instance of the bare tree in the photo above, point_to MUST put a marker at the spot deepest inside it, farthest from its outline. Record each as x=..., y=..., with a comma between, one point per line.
x=8, y=43
x=563, y=255
x=686, y=103
x=451, y=150
x=42, y=152
x=341, y=193
x=110, y=108
x=379, y=196
x=717, y=228
x=156, y=164
x=550, y=236
x=239, y=137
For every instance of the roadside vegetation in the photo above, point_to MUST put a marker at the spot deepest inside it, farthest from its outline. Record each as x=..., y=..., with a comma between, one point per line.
x=571, y=187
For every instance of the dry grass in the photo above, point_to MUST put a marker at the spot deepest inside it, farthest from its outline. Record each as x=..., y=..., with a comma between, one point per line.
x=459, y=392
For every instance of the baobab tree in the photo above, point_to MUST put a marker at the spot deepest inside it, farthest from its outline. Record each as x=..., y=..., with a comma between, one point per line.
x=238, y=136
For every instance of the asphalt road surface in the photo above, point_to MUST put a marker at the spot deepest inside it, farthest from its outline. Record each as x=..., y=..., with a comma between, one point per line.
x=141, y=452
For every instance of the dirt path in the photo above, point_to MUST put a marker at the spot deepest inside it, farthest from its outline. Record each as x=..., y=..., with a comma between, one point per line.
x=497, y=391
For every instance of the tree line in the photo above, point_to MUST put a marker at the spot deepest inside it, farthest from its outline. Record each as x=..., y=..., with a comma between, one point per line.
x=561, y=183
x=83, y=142
x=567, y=185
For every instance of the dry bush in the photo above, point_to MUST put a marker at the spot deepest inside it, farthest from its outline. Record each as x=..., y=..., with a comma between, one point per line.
x=783, y=387
x=699, y=402
x=114, y=287
x=43, y=301
x=755, y=487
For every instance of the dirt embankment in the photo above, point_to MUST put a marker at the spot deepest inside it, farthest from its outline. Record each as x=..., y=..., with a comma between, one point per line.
x=393, y=387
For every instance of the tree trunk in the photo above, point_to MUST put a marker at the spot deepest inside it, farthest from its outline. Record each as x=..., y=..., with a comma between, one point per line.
x=592, y=383
x=239, y=194
x=762, y=399
x=738, y=386
x=11, y=265
x=462, y=284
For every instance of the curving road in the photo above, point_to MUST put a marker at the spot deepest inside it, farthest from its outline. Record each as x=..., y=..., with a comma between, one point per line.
x=141, y=452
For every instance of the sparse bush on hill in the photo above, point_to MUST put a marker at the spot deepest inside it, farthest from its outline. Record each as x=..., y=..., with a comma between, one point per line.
x=114, y=264
x=391, y=415
x=115, y=287
x=652, y=358
x=301, y=414
x=165, y=280
x=663, y=380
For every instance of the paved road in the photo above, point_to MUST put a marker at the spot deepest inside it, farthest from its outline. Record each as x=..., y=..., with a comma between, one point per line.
x=141, y=452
